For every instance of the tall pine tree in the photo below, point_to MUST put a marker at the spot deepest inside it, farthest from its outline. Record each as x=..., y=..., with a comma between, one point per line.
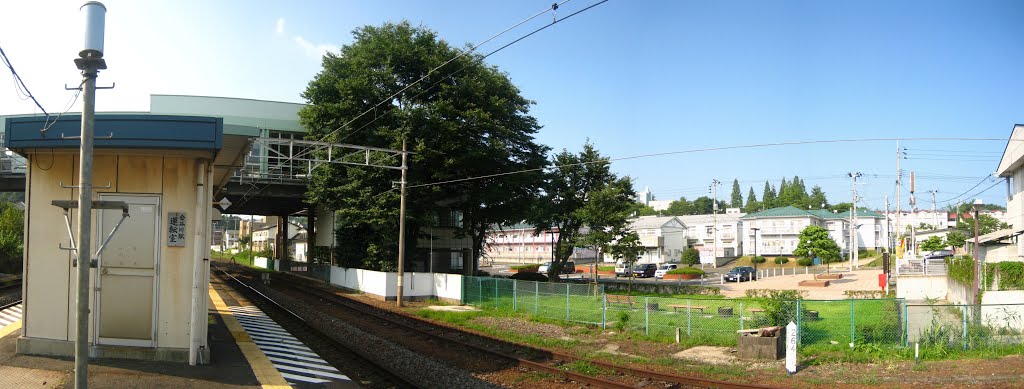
x=752, y=205
x=768, y=197
x=736, y=200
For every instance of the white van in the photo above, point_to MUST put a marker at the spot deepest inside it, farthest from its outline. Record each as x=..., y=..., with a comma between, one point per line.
x=664, y=268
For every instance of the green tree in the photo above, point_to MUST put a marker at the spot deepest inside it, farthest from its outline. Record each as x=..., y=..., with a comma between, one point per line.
x=680, y=207
x=644, y=210
x=841, y=207
x=607, y=215
x=12, y=238
x=817, y=198
x=690, y=256
x=581, y=190
x=627, y=248
x=736, y=199
x=815, y=242
x=956, y=238
x=933, y=243
x=986, y=224
x=705, y=205
x=465, y=119
x=752, y=204
x=768, y=196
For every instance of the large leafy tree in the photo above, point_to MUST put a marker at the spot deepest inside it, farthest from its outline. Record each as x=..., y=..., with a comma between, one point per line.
x=815, y=242
x=582, y=191
x=680, y=207
x=956, y=238
x=986, y=224
x=464, y=119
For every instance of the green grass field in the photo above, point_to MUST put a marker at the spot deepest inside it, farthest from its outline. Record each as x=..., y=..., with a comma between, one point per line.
x=708, y=321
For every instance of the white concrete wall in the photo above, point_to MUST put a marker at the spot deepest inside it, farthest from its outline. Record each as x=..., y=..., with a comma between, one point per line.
x=385, y=284
x=1010, y=315
x=921, y=287
x=958, y=293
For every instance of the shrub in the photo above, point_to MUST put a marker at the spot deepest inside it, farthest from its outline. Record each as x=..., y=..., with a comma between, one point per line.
x=691, y=256
x=805, y=261
x=779, y=305
x=533, y=267
x=758, y=259
x=781, y=260
x=623, y=321
x=686, y=270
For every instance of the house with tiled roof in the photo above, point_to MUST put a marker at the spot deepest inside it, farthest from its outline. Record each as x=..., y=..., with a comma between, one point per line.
x=777, y=230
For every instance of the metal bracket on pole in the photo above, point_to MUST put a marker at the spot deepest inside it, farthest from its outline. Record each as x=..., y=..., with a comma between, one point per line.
x=62, y=136
x=77, y=187
x=71, y=204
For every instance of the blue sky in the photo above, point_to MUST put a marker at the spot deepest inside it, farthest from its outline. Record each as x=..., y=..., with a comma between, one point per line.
x=634, y=77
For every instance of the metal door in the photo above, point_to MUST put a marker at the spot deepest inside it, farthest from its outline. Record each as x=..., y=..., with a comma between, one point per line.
x=126, y=284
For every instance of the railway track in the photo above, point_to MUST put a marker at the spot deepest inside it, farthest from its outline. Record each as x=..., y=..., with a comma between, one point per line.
x=521, y=355
x=356, y=363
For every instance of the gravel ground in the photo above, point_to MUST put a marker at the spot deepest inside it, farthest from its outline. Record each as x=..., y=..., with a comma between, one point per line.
x=421, y=370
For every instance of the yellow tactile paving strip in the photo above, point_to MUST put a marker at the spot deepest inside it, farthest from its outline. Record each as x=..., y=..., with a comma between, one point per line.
x=264, y=370
x=10, y=328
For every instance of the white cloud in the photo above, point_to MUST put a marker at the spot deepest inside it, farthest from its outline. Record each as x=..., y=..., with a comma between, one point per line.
x=313, y=49
x=280, y=26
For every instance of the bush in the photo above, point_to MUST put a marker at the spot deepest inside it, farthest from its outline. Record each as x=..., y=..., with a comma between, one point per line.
x=779, y=305
x=805, y=261
x=758, y=259
x=781, y=260
x=691, y=256
x=686, y=270
x=533, y=267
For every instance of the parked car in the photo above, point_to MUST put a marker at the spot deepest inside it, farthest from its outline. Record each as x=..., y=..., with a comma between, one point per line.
x=569, y=268
x=665, y=269
x=621, y=270
x=740, y=273
x=939, y=254
x=644, y=270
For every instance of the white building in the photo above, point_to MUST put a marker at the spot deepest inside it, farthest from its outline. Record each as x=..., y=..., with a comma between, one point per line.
x=520, y=244
x=777, y=230
x=1011, y=168
x=703, y=230
x=663, y=238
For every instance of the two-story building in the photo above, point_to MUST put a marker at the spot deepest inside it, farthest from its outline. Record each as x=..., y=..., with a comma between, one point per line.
x=715, y=236
x=663, y=238
x=520, y=243
x=777, y=230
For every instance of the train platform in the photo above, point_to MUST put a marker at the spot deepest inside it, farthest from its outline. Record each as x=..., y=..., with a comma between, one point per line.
x=248, y=350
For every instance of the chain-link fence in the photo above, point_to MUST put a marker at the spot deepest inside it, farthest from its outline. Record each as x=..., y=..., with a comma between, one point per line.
x=563, y=301
x=944, y=328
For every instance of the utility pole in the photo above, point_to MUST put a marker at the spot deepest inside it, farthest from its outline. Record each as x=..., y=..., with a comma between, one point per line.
x=935, y=215
x=899, y=185
x=90, y=62
x=714, y=217
x=854, y=255
x=401, y=229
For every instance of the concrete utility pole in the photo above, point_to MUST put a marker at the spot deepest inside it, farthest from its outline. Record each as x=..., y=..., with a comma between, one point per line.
x=854, y=254
x=401, y=230
x=714, y=216
x=935, y=215
x=899, y=186
x=90, y=61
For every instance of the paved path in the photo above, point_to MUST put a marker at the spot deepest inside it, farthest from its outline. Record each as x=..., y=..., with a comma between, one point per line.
x=855, y=280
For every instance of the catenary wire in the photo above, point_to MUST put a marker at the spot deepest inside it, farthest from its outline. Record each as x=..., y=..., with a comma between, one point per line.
x=19, y=82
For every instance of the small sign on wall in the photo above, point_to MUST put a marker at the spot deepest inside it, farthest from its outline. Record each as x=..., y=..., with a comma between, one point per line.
x=176, y=229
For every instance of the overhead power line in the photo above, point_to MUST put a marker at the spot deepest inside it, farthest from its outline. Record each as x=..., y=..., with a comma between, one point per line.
x=19, y=83
x=709, y=149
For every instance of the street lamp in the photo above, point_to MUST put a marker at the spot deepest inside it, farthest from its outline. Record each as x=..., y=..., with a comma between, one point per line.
x=754, y=260
x=977, y=254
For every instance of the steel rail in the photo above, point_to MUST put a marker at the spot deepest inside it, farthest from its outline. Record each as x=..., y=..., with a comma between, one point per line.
x=668, y=377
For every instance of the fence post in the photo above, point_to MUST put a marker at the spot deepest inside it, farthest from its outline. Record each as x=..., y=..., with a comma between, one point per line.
x=853, y=320
x=741, y=316
x=566, y=302
x=647, y=320
x=536, y=298
x=906, y=321
x=688, y=317
x=515, y=291
x=965, y=326
x=480, y=283
x=604, y=311
x=799, y=334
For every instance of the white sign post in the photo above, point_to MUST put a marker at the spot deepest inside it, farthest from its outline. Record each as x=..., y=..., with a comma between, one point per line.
x=791, y=348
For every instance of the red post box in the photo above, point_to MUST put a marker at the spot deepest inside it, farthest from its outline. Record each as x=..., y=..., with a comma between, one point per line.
x=882, y=280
